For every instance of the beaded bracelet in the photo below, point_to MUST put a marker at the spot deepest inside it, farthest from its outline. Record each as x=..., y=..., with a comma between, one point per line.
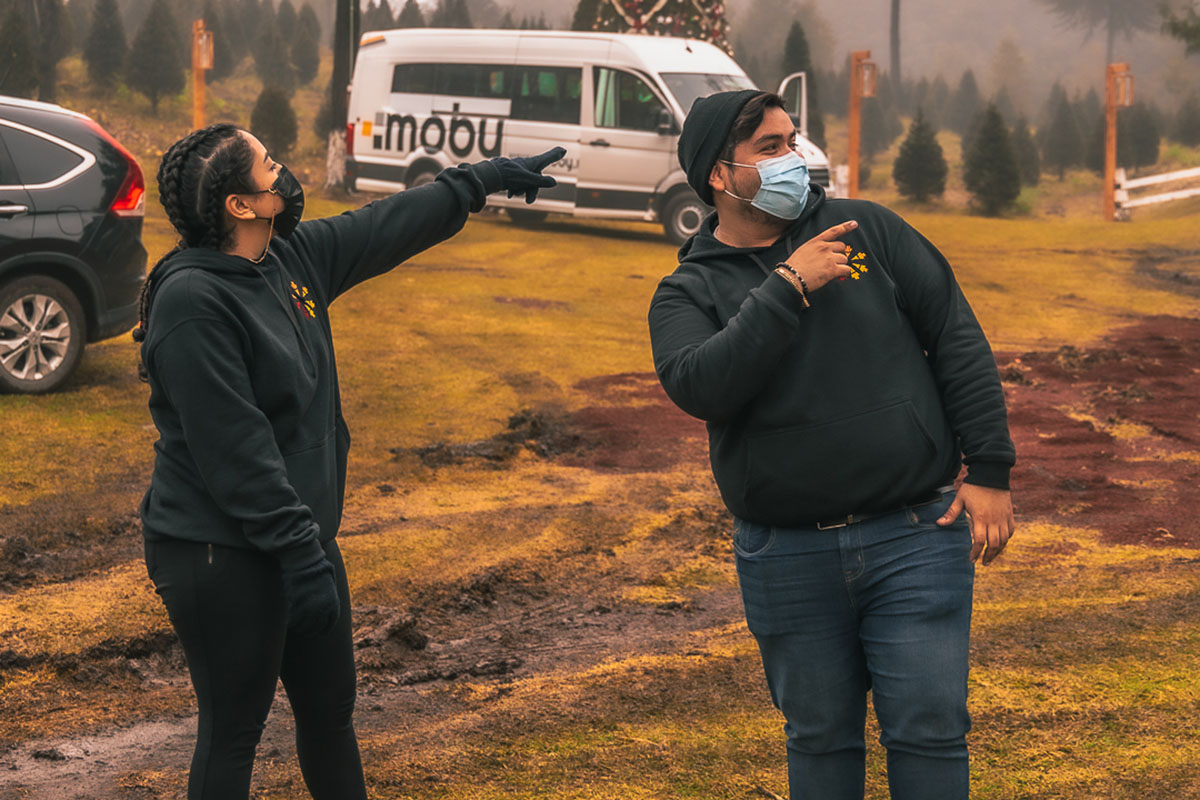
x=796, y=281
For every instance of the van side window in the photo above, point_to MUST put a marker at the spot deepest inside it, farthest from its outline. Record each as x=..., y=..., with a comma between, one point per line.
x=547, y=94
x=413, y=78
x=456, y=80
x=623, y=100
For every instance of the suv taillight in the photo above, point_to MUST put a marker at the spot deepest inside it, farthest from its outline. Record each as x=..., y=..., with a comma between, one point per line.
x=130, y=200
x=350, y=139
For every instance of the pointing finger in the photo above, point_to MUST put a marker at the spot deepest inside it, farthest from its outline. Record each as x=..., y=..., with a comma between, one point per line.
x=833, y=233
x=549, y=157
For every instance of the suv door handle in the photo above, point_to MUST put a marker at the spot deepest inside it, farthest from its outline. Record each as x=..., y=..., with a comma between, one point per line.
x=599, y=143
x=12, y=209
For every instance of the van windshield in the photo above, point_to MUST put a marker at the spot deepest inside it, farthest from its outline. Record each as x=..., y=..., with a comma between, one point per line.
x=687, y=86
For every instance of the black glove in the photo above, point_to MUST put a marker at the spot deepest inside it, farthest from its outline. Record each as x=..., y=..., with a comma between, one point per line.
x=524, y=175
x=312, y=598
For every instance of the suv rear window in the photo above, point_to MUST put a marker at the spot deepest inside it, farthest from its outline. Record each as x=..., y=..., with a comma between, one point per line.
x=37, y=160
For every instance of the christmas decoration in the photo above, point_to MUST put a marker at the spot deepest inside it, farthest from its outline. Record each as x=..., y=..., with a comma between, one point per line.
x=692, y=19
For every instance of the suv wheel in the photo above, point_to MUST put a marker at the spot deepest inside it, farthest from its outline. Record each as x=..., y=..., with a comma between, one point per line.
x=682, y=216
x=42, y=332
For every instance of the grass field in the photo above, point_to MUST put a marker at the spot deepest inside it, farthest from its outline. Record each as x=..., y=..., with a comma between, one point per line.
x=586, y=638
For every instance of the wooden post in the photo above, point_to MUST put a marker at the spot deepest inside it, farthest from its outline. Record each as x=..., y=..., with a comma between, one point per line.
x=1118, y=92
x=862, y=84
x=202, y=59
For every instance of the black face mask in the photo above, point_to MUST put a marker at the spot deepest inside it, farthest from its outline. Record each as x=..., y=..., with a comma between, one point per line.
x=287, y=187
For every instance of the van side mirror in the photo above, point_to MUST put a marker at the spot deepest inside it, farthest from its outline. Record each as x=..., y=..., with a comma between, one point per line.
x=666, y=123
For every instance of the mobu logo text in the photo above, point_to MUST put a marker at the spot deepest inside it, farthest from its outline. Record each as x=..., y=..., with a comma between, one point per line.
x=461, y=135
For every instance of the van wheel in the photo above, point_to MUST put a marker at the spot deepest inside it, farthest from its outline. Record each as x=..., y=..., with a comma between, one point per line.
x=524, y=216
x=682, y=216
x=42, y=331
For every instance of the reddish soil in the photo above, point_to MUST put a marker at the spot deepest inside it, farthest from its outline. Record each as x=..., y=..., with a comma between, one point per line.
x=1134, y=489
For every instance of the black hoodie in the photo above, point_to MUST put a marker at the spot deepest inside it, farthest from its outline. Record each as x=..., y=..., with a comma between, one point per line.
x=870, y=399
x=243, y=382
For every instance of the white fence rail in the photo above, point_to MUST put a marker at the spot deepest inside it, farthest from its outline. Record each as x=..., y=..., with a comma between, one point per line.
x=1125, y=184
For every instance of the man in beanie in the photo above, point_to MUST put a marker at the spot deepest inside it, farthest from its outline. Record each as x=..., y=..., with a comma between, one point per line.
x=845, y=382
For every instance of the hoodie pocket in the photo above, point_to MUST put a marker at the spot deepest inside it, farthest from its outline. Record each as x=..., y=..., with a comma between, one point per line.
x=838, y=466
x=312, y=471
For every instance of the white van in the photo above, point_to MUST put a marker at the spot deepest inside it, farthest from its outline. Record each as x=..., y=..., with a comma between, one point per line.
x=425, y=99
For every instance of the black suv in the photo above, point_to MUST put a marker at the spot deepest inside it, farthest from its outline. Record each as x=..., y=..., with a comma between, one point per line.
x=71, y=255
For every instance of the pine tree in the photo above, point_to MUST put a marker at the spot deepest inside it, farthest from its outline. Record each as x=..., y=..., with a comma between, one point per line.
x=274, y=122
x=80, y=12
x=964, y=105
x=1185, y=27
x=223, y=62
x=273, y=62
x=1141, y=136
x=991, y=173
x=585, y=15
x=306, y=54
x=920, y=169
x=285, y=19
x=507, y=23
x=18, y=76
x=411, y=16
x=235, y=44
x=880, y=126
x=1186, y=128
x=105, y=48
x=798, y=58
x=1062, y=142
x=54, y=42
x=1028, y=163
x=154, y=66
x=307, y=19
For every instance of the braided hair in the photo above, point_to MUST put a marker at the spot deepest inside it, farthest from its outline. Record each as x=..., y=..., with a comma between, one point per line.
x=195, y=176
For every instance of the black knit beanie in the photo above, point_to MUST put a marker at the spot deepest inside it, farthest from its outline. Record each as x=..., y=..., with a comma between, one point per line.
x=704, y=133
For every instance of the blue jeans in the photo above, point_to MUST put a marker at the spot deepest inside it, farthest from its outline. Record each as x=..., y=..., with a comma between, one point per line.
x=881, y=605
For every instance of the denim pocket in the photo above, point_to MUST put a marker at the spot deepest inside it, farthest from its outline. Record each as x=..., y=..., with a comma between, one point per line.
x=926, y=516
x=751, y=539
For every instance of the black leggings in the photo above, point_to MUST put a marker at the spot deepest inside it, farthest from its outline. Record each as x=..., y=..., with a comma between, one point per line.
x=227, y=606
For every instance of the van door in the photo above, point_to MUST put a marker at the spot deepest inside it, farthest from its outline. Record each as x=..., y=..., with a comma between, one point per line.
x=546, y=103
x=626, y=148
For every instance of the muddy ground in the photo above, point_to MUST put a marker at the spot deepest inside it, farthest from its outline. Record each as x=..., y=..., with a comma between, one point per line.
x=1107, y=437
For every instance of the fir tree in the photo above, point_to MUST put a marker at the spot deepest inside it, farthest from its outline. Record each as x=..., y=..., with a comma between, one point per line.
x=236, y=44
x=964, y=105
x=1062, y=142
x=1139, y=137
x=105, y=48
x=223, y=61
x=273, y=62
x=306, y=54
x=154, y=65
x=586, y=12
x=798, y=58
x=451, y=14
x=285, y=19
x=54, y=42
x=1186, y=128
x=18, y=76
x=80, y=12
x=880, y=126
x=411, y=16
x=1028, y=163
x=307, y=19
x=274, y=122
x=991, y=174
x=1185, y=27
x=920, y=169
x=507, y=23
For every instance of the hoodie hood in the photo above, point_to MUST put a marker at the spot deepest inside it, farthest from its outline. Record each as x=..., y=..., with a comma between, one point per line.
x=704, y=245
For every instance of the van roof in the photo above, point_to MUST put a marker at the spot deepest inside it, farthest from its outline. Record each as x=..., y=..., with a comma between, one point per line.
x=667, y=53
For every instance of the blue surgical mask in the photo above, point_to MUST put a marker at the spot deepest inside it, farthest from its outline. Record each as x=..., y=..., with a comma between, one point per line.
x=784, y=185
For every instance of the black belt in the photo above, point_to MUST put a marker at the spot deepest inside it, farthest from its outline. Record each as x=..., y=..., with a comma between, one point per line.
x=850, y=519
